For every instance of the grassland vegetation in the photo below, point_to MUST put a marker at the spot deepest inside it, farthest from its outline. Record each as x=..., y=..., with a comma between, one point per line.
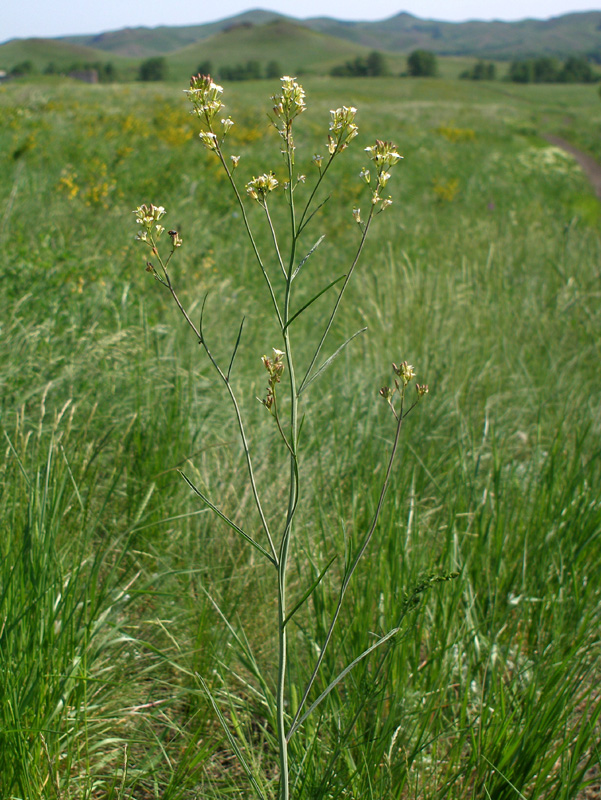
x=109, y=566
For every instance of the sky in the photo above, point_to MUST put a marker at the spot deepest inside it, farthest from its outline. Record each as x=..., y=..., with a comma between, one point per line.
x=49, y=18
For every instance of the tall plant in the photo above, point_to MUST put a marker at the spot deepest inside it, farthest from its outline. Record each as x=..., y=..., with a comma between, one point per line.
x=282, y=272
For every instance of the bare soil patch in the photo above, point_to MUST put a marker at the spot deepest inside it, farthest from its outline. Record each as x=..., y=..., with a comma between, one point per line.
x=591, y=168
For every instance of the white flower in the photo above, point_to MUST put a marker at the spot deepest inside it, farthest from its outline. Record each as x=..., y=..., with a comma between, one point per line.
x=209, y=139
x=259, y=187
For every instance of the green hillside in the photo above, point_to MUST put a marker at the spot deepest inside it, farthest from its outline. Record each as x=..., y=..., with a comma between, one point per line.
x=559, y=36
x=42, y=52
x=297, y=50
x=144, y=42
x=313, y=47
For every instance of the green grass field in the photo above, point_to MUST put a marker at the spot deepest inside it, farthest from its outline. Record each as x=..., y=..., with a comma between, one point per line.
x=484, y=274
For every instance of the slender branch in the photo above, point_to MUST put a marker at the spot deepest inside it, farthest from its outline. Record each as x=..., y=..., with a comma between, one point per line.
x=225, y=378
x=278, y=423
x=322, y=174
x=250, y=233
x=169, y=285
x=226, y=519
x=245, y=445
x=275, y=240
x=382, y=640
x=350, y=571
x=339, y=300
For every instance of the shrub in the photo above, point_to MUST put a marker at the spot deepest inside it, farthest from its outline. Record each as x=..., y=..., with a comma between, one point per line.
x=153, y=69
x=422, y=64
x=373, y=66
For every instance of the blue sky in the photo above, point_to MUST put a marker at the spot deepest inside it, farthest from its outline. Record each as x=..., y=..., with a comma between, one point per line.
x=23, y=18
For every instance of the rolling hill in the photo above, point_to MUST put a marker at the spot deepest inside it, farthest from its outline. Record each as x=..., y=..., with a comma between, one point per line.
x=313, y=46
x=146, y=42
x=297, y=49
x=559, y=36
x=42, y=52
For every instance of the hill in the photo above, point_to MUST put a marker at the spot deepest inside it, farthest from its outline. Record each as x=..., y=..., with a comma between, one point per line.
x=297, y=49
x=311, y=47
x=144, y=42
x=559, y=36
x=42, y=52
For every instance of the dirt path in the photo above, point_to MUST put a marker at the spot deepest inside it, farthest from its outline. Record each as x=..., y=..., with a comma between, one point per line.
x=591, y=168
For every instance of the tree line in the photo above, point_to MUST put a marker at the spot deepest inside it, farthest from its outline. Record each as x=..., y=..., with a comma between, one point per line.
x=424, y=64
x=420, y=64
x=545, y=69
x=105, y=71
x=155, y=69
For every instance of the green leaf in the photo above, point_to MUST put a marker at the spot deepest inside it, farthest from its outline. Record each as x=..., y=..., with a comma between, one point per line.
x=229, y=369
x=308, y=256
x=313, y=299
x=227, y=520
x=327, y=363
x=233, y=743
x=309, y=591
x=382, y=640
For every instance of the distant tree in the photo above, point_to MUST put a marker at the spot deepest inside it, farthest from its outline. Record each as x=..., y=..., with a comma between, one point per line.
x=241, y=72
x=372, y=66
x=594, y=55
x=481, y=71
x=484, y=71
x=153, y=69
x=253, y=70
x=357, y=68
x=576, y=70
x=204, y=68
x=422, y=64
x=50, y=68
x=376, y=64
x=107, y=72
x=273, y=70
x=521, y=71
x=22, y=68
x=545, y=70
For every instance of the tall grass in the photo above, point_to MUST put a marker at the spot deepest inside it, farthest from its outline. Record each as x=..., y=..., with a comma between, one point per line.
x=494, y=294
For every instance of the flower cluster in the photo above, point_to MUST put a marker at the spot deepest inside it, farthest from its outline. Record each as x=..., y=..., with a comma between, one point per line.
x=342, y=129
x=205, y=97
x=404, y=373
x=148, y=217
x=384, y=155
x=209, y=140
x=260, y=187
x=275, y=368
x=291, y=102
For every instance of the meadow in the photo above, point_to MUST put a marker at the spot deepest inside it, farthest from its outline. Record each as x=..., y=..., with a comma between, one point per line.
x=484, y=274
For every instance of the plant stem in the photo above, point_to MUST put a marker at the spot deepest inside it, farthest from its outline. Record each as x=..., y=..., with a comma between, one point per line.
x=293, y=493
